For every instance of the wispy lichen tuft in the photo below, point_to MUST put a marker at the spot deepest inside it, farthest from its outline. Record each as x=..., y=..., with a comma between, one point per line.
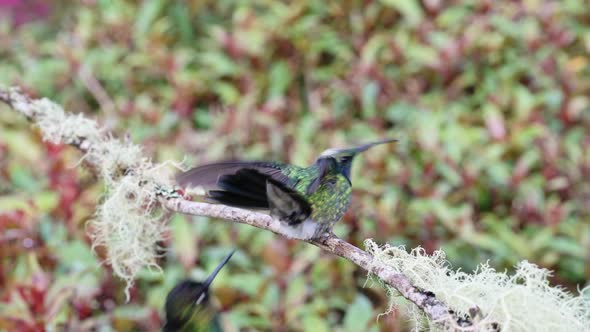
x=522, y=301
x=128, y=223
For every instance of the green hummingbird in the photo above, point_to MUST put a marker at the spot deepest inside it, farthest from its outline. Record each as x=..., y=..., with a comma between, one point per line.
x=187, y=305
x=308, y=201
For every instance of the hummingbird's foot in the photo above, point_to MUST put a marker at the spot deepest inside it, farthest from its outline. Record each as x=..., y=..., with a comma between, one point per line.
x=328, y=234
x=324, y=235
x=169, y=193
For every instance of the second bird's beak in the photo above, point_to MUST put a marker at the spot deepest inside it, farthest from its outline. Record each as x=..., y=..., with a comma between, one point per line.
x=213, y=274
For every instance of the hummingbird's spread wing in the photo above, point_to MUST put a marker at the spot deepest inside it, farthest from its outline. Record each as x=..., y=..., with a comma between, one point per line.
x=251, y=189
x=245, y=188
x=255, y=185
x=207, y=176
x=236, y=183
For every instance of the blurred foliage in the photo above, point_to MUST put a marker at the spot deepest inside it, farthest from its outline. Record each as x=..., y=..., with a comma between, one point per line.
x=489, y=99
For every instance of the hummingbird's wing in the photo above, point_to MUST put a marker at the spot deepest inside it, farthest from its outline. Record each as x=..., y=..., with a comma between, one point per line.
x=323, y=165
x=253, y=185
x=244, y=188
x=286, y=204
x=207, y=176
x=249, y=188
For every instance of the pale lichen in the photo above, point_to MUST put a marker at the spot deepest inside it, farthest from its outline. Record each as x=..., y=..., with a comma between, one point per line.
x=128, y=223
x=521, y=301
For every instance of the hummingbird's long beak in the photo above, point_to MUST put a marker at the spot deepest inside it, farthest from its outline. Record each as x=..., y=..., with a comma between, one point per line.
x=357, y=149
x=212, y=276
x=367, y=146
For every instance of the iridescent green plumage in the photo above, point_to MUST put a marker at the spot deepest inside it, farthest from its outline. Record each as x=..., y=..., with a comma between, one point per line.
x=307, y=200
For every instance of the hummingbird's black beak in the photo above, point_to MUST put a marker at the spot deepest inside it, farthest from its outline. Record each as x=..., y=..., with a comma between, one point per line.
x=367, y=146
x=212, y=276
x=356, y=149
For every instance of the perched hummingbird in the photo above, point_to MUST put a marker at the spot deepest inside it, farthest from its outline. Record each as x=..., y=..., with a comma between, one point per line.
x=187, y=305
x=306, y=200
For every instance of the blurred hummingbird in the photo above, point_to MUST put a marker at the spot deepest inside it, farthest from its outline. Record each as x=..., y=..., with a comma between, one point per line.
x=187, y=305
x=307, y=201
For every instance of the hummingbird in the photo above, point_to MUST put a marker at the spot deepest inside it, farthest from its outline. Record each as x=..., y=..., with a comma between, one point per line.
x=187, y=305
x=307, y=201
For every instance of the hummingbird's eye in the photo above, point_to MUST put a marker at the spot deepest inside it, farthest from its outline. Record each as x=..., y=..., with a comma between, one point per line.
x=344, y=159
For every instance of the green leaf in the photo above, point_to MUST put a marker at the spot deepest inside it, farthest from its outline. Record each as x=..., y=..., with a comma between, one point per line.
x=369, y=101
x=568, y=246
x=46, y=200
x=75, y=255
x=184, y=243
x=280, y=78
x=180, y=13
x=15, y=202
x=247, y=283
x=146, y=16
x=243, y=320
x=202, y=118
x=315, y=323
x=410, y=9
x=23, y=179
x=358, y=315
x=296, y=289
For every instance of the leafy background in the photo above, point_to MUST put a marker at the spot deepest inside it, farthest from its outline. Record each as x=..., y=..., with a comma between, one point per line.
x=489, y=99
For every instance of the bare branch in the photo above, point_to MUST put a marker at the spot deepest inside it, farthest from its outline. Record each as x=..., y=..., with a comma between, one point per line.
x=171, y=200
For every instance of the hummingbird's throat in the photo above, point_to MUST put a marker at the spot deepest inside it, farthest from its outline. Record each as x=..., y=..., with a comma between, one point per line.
x=201, y=298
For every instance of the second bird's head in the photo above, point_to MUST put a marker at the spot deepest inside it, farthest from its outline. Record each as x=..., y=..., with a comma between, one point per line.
x=187, y=307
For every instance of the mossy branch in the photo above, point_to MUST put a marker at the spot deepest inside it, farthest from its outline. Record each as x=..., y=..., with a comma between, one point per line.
x=425, y=300
x=88, y=138
x=130, y=222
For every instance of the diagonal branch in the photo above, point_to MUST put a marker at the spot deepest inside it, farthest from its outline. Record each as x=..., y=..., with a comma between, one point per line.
x=425, y=300
x=37, y=111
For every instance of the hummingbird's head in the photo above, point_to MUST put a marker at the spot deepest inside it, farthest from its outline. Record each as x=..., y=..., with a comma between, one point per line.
x=187, y=302
x=186, y=306
x=343, y=157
